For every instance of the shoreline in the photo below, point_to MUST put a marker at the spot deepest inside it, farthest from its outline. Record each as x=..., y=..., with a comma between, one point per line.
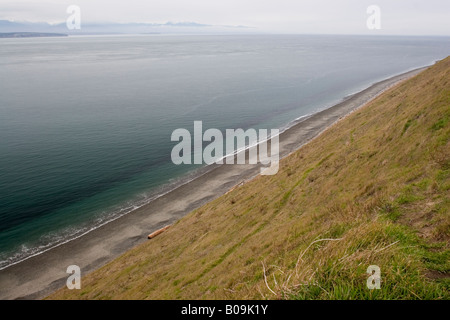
x=40, y=275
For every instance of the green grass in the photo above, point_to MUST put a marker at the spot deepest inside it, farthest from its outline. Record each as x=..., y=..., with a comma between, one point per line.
x=407, y=125
x=441, y=123
x=341, y=277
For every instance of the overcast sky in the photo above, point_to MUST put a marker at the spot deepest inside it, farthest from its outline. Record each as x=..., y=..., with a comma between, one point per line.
x=413, y=17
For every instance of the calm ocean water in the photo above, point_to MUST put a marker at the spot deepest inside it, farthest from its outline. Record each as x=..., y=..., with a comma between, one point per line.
x=85, y=122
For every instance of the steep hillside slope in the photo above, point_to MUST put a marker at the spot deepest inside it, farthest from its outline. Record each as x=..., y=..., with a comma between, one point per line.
x=371, y=190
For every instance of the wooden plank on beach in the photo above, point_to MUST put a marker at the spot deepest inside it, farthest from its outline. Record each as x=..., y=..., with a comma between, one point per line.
x=158, y=232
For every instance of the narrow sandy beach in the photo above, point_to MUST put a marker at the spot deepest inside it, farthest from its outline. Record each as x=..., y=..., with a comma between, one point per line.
x=40, y=275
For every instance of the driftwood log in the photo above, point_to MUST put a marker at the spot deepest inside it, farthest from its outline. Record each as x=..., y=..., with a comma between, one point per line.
x=158, y=232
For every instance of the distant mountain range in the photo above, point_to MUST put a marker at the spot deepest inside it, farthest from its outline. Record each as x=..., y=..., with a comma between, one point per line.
x=30, y=34
x=120, y=28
